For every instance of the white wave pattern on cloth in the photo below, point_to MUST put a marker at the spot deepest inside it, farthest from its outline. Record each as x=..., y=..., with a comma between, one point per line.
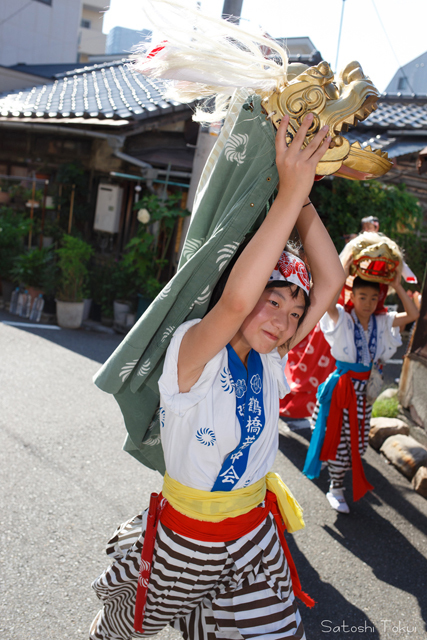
x=191, y=247
x=165, y=291
x=203, y=297
x=145, y=368
x=167, y=333
x=225, y=254
x=127, y=369
x=235, y=147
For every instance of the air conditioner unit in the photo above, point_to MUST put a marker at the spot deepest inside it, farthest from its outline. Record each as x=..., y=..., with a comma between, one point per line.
x=108, y=208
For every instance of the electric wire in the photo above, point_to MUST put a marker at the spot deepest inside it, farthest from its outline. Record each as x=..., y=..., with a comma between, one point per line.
x=14, y=14
x=391, y=47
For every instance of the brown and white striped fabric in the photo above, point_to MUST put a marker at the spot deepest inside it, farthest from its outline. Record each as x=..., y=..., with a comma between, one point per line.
x=338, y=467
x=206, y=590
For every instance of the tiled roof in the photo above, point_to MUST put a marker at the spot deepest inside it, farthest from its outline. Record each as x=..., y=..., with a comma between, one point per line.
x=112, y=91
x=399, y=112
x=48, y=70
x=103, y=91
x=398, y=126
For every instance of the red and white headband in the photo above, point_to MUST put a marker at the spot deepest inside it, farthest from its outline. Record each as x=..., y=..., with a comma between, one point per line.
x=291, y=269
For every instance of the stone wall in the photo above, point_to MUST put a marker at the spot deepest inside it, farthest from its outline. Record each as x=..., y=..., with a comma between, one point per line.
x=413, y=389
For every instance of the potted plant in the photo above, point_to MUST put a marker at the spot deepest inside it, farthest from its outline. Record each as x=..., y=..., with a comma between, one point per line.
x=13, y=229
x=73, y=259
x=32, y=269
x=4, y=192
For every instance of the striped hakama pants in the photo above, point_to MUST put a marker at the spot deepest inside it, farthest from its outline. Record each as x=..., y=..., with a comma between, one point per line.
x=206, y=590
x=342, y=463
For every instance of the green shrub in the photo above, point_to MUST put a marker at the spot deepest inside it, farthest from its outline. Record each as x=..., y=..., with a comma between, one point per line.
x=343, y=203
x=13, y=229
x=386, y=408
x=33, y=268
x=73, y=259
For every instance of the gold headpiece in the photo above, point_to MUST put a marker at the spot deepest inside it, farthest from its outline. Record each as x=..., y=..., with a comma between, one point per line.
x=338, y=104
x=375, y=257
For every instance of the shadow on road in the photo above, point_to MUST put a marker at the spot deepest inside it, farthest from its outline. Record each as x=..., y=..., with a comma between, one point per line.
x=90, y=344
x=366, y=534
x=332, y=609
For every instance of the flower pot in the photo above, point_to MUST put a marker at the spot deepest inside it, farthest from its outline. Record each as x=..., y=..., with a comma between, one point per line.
x=130, y=319
x=121, y=309
x=4, y=197
x=34, y=293
x=69, y=314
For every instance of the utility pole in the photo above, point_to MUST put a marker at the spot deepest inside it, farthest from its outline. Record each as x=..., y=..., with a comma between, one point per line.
x=232, y=10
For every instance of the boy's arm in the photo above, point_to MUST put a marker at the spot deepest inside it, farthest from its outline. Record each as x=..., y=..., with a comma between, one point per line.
x=326, y=269
x=411, y=312
x=332, y=310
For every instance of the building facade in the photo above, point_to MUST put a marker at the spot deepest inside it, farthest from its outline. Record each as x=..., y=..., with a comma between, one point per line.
x=411, y=78
x=121, y=40
x=50, y=31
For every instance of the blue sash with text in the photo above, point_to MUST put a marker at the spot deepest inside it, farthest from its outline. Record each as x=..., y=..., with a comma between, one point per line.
x=250, y=413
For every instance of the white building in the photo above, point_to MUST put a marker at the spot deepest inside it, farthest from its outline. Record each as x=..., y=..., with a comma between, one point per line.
x=121, y=40
x=411, y=78
x=50, y=31
x=91, y=39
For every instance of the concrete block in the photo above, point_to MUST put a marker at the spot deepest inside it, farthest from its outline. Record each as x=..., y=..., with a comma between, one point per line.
x=405, y=453
x=419, y=481
x=383, y=428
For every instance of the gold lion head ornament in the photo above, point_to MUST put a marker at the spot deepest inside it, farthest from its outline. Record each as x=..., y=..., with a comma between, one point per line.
x=212, y=58
x=375, y=257
x=339, y=103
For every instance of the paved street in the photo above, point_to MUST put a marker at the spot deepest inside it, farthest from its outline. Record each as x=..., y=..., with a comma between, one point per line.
x=66, y=484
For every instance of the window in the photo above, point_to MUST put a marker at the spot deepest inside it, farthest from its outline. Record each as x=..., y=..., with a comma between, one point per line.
x=49, y=2
x=86, y=24
x=402, y=83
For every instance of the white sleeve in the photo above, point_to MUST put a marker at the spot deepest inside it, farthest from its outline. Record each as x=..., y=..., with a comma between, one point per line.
x=389, y=337
x=277, y=365
x=340, y=336
x=178, y=402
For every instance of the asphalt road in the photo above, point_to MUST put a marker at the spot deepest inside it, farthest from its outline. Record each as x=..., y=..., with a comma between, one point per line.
x=66, y=484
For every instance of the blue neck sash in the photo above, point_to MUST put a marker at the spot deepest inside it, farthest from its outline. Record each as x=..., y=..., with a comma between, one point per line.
x=365, y=352
x=248, y=388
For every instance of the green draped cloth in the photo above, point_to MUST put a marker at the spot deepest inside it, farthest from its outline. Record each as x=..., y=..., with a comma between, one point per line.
x=235, y=188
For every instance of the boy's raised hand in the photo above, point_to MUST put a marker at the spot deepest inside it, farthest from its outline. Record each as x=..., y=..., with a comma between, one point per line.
x=297, y=166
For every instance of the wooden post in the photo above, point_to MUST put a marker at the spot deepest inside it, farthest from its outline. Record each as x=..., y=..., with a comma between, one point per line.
x=33, y=195
x=70, y=215
x=58, y=213
x=46, y=182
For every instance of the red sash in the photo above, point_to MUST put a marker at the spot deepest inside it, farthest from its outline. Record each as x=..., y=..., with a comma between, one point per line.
x=344, y=397
x=229, y=529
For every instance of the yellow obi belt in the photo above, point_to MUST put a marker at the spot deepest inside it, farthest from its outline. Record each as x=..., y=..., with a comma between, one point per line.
x=215, y=506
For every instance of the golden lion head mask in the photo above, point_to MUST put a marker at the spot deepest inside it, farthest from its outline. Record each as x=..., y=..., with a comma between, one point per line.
x=337, y=103
x=375, y=257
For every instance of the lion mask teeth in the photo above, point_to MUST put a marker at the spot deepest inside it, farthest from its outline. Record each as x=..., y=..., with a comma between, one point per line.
x=340, y=103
